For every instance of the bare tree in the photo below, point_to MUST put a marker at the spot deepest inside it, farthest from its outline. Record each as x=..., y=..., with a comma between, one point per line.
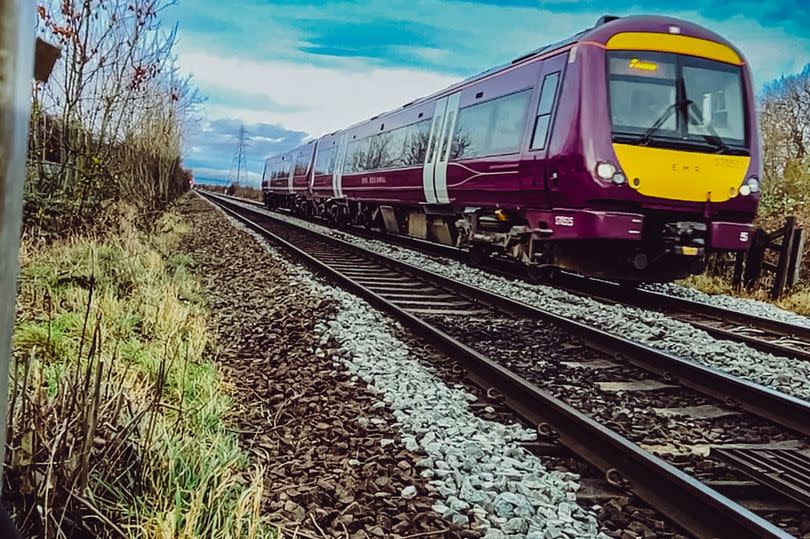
x=785, y=123
x=115, y=93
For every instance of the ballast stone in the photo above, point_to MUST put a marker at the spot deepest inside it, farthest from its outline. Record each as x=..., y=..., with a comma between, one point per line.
x=371, y=350
x=648, y=327
x=463, y=450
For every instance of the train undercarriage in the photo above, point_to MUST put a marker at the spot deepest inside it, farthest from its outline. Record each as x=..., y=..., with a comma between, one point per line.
x=664, y=251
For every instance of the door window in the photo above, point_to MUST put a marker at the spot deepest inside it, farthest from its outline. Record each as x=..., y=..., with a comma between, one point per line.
x=544, y=110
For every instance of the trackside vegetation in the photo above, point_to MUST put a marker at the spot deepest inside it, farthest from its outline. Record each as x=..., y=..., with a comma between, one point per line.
x=119, y=421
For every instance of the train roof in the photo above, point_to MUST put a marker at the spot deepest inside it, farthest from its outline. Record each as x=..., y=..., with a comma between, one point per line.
x=606, y=27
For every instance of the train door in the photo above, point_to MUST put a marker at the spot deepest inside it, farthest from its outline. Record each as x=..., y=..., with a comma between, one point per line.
x=311, y=176
x=550, y=81
x=434, y=171
x=337, y=173
x=290, y=160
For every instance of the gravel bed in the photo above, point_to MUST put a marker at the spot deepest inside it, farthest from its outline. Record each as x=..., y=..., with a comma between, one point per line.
x=648, y=327
x=335, y=463
x=619, y=516
x=541, y=356
x=483, y=477
x=750, y=306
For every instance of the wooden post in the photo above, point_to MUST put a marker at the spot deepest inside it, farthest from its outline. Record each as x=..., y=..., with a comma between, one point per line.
x=785, y=251
x=795, y=262
x=754, y=259
x=16, y=68
x=739, y=264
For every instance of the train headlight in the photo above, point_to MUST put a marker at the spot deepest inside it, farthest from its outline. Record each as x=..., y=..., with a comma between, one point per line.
x=750, y=185
x=605, y=170
x=619, y=178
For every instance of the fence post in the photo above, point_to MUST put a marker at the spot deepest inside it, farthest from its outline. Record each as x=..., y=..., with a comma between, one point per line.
x=754, y=258
x=739, y=263
x=784, y=258
x=16, y=69
x=795, y=263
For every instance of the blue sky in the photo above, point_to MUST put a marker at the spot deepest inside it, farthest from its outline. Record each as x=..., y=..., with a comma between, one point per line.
x=294, y=70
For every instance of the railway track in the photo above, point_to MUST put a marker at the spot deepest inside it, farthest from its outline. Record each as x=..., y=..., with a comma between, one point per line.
x=763, y=334
x=772, y=479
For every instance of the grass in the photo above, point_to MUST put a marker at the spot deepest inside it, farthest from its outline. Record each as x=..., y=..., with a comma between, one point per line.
x=796, y=300
x=119, y=419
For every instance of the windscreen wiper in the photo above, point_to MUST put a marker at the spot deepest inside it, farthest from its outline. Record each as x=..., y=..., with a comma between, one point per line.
x=645, y=138
x=713, y=137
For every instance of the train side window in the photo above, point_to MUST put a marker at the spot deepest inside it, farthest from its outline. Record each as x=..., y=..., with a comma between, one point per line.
x=416, y=142
x=302, y=163
x=544, y=109
x=392, y=147
x=492, y=127
x=325, y=162
x=357, y=156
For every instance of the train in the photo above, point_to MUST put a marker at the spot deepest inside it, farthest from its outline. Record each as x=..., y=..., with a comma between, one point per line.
x=629, y=151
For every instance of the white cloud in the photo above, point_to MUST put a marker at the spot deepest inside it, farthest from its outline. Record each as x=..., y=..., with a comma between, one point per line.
x=329, y=98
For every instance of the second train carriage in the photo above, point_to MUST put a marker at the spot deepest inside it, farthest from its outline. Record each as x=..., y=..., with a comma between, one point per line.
x=627, y=151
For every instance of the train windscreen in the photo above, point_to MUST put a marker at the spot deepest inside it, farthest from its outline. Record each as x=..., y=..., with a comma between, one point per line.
x=665, y=97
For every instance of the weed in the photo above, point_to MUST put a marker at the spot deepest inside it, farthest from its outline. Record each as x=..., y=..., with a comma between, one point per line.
x=118, y=420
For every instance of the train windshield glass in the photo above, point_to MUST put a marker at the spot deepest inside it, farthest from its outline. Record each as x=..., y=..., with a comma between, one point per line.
x=660, y=97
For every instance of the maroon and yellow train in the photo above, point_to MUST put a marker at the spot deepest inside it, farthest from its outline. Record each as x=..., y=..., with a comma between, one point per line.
x=628, y=151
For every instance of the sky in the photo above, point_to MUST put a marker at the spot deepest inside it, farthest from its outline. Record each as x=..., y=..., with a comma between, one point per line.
x=292, y=71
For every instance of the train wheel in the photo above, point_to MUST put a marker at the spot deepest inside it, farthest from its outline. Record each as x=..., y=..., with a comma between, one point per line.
x=478, y=255
x=541, y=273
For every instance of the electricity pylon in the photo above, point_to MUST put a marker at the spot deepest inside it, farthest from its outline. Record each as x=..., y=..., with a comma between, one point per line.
x=239, y=165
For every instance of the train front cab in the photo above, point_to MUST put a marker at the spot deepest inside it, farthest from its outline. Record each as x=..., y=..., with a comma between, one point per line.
x=672, y=156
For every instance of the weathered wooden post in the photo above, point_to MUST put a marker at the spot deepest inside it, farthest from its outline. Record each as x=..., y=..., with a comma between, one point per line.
x=795, y=262
x=754, y=259
x=786, y=248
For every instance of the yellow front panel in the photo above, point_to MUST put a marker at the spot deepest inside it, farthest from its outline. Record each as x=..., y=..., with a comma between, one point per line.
x=678, y=175
x=693, y=46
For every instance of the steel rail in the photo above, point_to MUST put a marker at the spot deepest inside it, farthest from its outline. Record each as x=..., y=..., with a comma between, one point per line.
x=699, y=509
x=612, y=293
x=649, y=299
x=781, y=408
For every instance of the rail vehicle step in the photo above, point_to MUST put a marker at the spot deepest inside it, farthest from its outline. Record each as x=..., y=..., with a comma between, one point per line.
x=786, y=471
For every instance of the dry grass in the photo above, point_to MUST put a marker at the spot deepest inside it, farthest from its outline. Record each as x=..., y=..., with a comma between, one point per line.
x=796, y=300
x=119, y=421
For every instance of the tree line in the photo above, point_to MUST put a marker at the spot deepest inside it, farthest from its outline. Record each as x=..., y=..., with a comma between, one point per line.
x=784, y=115
x=108, y=126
